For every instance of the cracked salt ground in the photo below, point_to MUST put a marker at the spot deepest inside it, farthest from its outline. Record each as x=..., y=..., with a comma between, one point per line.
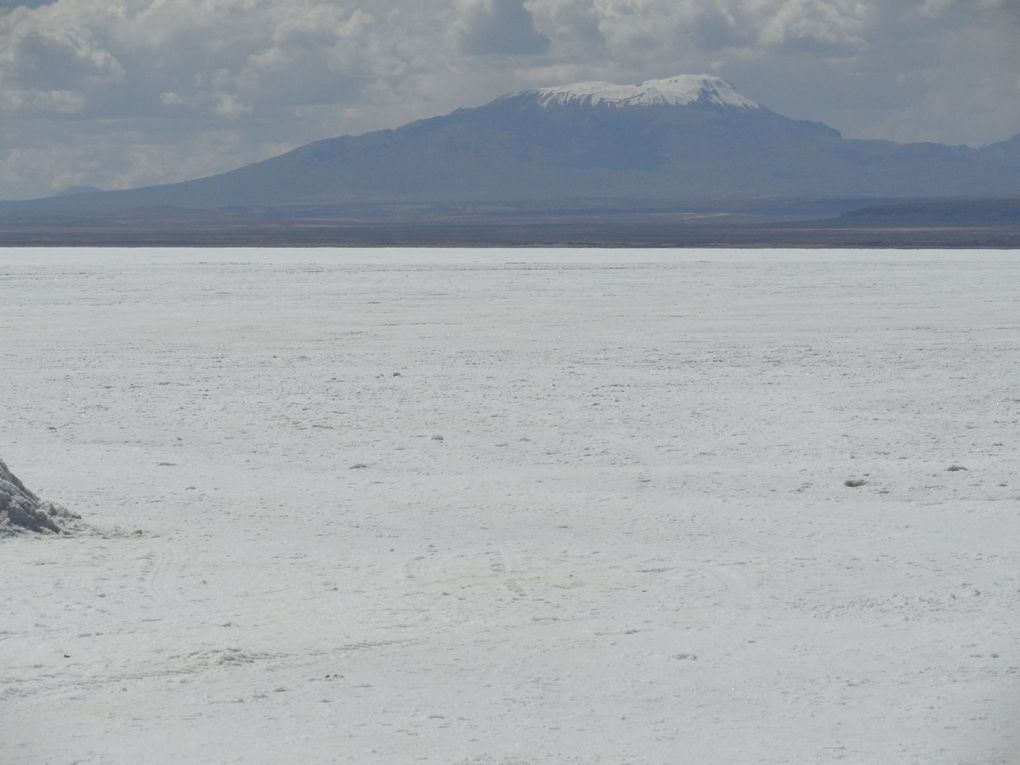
x=599, y=516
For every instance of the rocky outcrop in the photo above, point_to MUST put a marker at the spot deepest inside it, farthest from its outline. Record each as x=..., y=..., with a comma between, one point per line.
x=21, y=511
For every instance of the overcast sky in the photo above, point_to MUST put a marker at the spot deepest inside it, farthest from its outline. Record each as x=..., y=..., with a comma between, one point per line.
x=118, y=93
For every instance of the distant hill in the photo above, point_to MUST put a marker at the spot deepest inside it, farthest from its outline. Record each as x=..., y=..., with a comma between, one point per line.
x=664, y=141
x=957, y=213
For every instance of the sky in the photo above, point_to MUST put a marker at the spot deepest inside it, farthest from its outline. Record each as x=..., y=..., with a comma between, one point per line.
x=124, y=93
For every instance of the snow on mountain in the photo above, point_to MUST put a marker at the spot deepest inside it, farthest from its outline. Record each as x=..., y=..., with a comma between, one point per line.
x=681, y=90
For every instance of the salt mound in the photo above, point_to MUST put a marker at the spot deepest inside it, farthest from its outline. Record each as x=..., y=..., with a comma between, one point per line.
x=21, y=510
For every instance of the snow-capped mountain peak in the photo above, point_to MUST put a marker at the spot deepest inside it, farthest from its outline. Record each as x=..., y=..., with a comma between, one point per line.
x=681, y=90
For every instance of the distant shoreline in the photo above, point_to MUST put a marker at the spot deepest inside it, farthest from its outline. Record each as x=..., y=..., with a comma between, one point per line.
x=576, y=236
x=770, y=223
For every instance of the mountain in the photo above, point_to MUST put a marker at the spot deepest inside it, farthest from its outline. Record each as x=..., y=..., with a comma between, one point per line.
x=686, y=138
x=1006, y=153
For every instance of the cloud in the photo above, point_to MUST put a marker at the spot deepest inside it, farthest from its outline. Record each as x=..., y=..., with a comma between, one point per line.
x=819, y=25
x=169, y=98
x=97, y=91
x=499, y=27
x=571, y=25
x=56, y=101
x=11, y=4
x=41, y=58
x=51, y=69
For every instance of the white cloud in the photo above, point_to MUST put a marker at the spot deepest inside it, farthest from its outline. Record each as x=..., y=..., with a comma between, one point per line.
x=51, y=69
x=837, y=25
x=497, y=27
x=169, y=98
x=55, y=101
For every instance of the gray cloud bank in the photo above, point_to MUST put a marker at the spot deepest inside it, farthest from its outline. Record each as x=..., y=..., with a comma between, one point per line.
x=119, y=93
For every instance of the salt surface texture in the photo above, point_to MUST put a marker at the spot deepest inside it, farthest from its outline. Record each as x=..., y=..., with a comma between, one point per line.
x=633, y=541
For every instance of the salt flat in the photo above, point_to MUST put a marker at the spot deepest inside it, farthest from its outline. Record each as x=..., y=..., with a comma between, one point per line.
x=513, y=506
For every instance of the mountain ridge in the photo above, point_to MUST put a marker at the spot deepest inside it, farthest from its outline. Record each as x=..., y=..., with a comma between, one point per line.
x=680, y=139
